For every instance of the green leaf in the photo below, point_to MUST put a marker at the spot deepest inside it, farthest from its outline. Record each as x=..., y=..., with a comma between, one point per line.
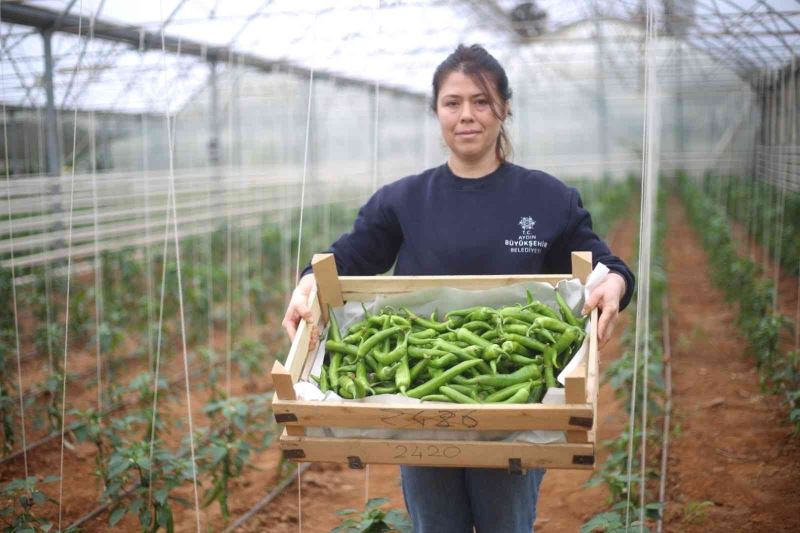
x=346, y=511
x=161, y=495
x=116, y=516
x=375, y=502
x=606, y=522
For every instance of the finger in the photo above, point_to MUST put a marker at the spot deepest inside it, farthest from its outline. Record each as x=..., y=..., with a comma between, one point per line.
x=601, y=327
x=592, y=301
x=290, y=328
x=303, y=311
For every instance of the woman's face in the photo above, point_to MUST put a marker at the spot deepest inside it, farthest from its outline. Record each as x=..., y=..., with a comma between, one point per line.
x=469, y=125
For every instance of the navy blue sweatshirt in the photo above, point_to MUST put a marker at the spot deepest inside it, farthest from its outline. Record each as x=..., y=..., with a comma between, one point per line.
x=512, y=221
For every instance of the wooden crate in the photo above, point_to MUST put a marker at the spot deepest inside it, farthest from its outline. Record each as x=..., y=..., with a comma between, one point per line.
x=577, y=417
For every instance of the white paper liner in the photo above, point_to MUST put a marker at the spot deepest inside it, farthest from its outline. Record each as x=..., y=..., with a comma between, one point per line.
x=445, y=299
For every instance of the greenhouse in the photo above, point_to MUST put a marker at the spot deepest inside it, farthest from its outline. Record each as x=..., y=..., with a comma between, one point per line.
x=281, y=266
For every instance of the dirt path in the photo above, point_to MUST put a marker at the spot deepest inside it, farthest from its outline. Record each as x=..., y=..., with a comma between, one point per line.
x=564, y=503
x=734, y=465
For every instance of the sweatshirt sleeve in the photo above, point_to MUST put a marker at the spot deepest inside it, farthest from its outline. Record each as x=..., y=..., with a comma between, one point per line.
x=371, y=247
x=578, y=236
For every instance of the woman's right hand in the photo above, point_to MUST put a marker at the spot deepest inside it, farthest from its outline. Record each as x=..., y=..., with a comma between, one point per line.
x=298, y=306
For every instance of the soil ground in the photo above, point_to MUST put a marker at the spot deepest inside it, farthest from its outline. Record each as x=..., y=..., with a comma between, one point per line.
x=734, y=464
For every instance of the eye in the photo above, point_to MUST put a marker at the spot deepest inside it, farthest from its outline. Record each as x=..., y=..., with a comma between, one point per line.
x=482, y=102
x=451, y=103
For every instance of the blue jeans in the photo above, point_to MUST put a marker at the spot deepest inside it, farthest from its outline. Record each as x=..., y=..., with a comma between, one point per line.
x=453, y=500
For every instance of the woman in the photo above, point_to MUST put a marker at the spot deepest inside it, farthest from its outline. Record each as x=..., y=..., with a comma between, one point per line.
x=477, y=214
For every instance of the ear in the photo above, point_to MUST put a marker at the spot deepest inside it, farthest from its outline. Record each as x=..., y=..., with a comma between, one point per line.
x=506, y=110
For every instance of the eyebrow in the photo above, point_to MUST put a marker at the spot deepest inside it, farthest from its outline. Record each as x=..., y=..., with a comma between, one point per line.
x=459, y=96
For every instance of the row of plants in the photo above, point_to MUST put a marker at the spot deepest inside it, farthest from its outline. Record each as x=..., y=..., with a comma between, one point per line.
x=134, y=481
x=624, y=498
x=757, y=205
x=746, y=285
x=129, y=297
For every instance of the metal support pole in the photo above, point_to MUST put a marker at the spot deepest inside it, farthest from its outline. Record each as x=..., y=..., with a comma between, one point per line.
x=600, y=97
x=53, y=153
x=679, y=124
x=213, y=141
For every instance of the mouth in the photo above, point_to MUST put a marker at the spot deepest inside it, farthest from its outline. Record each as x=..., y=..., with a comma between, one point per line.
x=470, y=133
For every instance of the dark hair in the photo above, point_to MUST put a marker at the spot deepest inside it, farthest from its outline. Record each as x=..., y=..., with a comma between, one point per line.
x=478, y=64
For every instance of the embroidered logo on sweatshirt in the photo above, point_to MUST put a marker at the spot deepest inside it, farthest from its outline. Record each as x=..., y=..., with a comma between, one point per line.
x=527, y=223
x=526, y=242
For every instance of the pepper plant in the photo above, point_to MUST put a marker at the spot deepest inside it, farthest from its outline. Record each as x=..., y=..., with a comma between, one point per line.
x=373, y=519
x=21, y=499
x=239, y=426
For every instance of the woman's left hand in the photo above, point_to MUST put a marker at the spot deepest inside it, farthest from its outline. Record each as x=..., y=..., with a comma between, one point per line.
x=606, y=297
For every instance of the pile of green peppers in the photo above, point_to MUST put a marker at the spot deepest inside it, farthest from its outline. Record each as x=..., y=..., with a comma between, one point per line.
x=475, y=355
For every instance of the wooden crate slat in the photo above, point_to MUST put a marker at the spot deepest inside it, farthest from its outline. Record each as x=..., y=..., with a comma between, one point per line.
x=480, y=454
x=299, y=350
x=360, y=288
x=439, y=416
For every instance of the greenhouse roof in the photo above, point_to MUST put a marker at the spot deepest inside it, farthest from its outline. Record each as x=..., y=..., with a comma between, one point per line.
x=394, y=43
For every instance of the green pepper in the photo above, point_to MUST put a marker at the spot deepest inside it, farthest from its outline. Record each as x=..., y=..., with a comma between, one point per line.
x=385, y=389
x=490, y=335
x=493, y=352
x=432, y=385
x=542, y=309
x=476, y=325
x=340, y=347
x=373, y=341
x=347, y=387
x=387, y=372
x=525, y=373
x=469, y=390
x=527, y=342
x=566, y=339
x=435, y=398
x=537, y=392
x=425, y=323
x=521, y=396
x=463, y=353
x=517, y=313
x=333, y=329
x=361, y=375
x=402, y=377
x=446, y=360
x=333, y=370
x=553, y=324
x=418, y=368
x=456, y=396
x=462, y=312
x=549, y=358
x=504, y=393
x=424, y=353
x=566, y=312
x=522, y=360
x=393, y=356
x=323, y=380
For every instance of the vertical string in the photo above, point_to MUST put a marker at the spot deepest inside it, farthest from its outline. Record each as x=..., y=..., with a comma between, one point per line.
x=649, y=185
x=782, y=175
x=69, y=278
x=305, y=172
x=180, y=289
x=98, y=294
x=299, y=248
x=20, y=395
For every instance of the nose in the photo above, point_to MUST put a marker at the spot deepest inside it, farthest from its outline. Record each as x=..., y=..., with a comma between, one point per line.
x=466, y=112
